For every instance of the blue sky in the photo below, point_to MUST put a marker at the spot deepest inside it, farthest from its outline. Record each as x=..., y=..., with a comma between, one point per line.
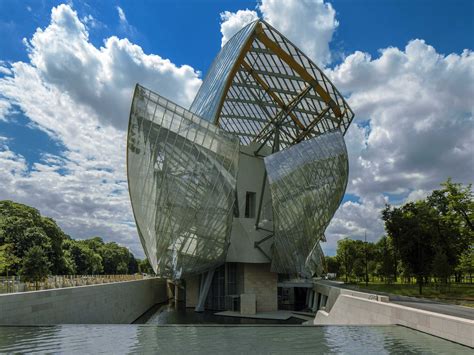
x=402, y=65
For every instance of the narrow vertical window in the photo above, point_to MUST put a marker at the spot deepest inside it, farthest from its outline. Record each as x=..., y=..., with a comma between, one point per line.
x=250, y=200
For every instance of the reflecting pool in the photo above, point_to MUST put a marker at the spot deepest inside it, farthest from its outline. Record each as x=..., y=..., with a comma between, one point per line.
x=223, y=339
x=165, y=314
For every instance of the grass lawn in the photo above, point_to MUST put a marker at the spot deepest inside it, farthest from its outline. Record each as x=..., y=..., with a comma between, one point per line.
x=461, y=294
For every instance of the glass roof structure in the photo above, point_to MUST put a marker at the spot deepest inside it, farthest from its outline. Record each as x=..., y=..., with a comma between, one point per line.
x=182, y=164
x=260, y=81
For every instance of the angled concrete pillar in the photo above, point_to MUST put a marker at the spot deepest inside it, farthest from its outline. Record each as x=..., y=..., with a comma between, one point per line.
x=204, y=290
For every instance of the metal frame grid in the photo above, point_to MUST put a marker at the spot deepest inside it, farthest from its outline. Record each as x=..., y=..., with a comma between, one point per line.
x=261, y=84
x=182, y=178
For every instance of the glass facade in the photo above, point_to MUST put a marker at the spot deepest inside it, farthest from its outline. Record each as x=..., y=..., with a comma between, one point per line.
x=261, y=91
x=182, y=177
x=307, y=183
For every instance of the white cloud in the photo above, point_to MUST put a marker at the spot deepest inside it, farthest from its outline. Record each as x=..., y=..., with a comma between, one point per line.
x=231, y=22
x=310, y=24
x=125, y=26
x=419, y=105
x=417, y=108
x=80, y=95
x=103, y=78
x=121, y=14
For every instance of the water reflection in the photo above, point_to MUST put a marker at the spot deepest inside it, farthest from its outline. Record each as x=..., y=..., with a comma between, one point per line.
x=223, y=339
x=179, y=314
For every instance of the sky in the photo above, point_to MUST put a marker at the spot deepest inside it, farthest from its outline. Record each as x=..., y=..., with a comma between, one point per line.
x=67, y=71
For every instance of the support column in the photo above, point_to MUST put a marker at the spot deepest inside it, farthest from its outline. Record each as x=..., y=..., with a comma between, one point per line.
x=176, y=293
x=204, y=290
x=314, y=304
x=311, y=298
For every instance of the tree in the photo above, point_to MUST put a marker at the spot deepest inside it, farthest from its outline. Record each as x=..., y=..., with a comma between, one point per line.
x=454, y=205
x=145, y=267
x=86, y=261
x=441, y=268
x=414, y=227
x=7, y=258
x=132, y=264
x=385, y=259
x=346, y=256
x=466, y=264
x=56, y=237
x=115, y=258
x=332, y=265
x=24, y=227
x=35, y=266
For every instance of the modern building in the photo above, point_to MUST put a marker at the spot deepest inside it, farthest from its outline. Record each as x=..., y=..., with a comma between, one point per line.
x=232, y=196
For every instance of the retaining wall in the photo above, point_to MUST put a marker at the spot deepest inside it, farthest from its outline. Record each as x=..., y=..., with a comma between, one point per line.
x=118, y=302
x=346, y=307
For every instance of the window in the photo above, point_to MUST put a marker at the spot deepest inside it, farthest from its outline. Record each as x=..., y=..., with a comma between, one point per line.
x=250, y=199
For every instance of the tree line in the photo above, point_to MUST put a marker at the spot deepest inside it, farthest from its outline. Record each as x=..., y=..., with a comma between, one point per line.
x=430, y=240
x=34, y=246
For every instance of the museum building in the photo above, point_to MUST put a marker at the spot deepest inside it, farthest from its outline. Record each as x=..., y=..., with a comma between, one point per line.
x=232, y=196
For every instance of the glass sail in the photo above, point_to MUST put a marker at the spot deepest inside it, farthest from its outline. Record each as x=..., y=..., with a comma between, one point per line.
x=307, y=183
x=182, y=178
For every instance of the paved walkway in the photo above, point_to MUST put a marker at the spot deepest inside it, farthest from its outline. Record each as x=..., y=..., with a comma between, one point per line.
x=414, y=302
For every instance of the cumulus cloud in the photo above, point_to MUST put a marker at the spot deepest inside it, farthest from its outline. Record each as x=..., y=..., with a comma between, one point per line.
x=310, y=24
x=80, y=95
x=103, y=78
x=419, y=108
x=232, y=22
x=413, y=129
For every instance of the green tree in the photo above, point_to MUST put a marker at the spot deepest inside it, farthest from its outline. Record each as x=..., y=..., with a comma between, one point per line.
x=7, y=259
x=332, y=265
x=24, y=227
x=414, y=225
x=346, y=256
x=384, y=256
x=132, y=264
x=115, y=258
x=466, y=263
x=441, y=268
x=56, y=237
x=454, y=206
x=86, y=261
x=145, y=267
x=35, y=265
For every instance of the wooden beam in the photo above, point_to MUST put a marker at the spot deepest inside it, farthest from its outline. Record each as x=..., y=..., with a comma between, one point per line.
x=269, y=91
x=302, y=72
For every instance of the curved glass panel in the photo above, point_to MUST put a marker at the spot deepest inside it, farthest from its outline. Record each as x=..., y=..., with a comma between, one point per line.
x=182, y=178
x=307, y=183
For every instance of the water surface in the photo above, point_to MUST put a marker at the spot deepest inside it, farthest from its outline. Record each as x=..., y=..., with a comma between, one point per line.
x=224, y=339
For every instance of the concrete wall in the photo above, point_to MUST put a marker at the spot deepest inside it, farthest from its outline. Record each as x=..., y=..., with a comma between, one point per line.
x=260, y=281
x=244, y=235
x=345, y=307
x=119, y=302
